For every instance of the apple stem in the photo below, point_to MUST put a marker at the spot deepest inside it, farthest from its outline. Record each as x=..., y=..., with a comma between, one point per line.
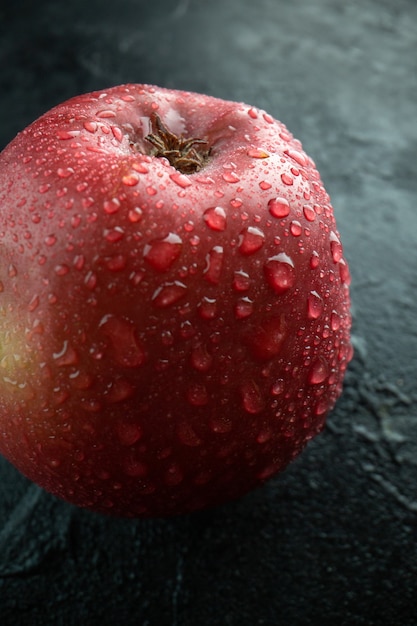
x=188, y=155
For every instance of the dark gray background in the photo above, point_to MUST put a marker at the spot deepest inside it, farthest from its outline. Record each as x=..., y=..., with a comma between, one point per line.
x=333, y=540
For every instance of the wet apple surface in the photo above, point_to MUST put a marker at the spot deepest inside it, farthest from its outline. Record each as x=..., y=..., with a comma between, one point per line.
x=175, y=307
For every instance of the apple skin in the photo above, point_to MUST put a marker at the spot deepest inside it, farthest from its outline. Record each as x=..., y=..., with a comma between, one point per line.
x=168, y=341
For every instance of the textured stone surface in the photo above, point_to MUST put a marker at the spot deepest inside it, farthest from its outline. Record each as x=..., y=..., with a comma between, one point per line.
x=332, y=540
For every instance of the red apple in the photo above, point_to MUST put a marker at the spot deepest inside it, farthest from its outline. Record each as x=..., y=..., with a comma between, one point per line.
x=174, y=300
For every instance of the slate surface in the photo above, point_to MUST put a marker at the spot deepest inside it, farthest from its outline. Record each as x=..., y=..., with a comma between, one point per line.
x=333, y=540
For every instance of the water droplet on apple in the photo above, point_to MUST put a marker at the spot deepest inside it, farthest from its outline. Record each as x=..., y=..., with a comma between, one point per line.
x=207, y=308
x=319, y=371
x=257, y=153
x=335, y=247
x=180, y=179
x=344, y=272
x=214, y=265
x=278, y=387
x=201, y=360
x=128, y=433
x=241, y=281
x=251, y=397
x=113, y=235
x=50, y=240
x=116, y=263
x=90, y=127
x=168, y=294
x=119, y=390
x=126, y=347
x=309, y=213
x=130, y=180
x=335, y=320
x=266, y=340
x=297, y=156
x=243, y=308
x=135, y=215
x=215, y=218
x=111, y=206
x=296, y=228
x=162, y=253
x=279, y=272
x=66, y=356
x=314, y=305
x=314, y=260
x=231, y=177
x=197, y=394
x=65, y=172
x=287, y=179
x=251, y=240
x=33, y=304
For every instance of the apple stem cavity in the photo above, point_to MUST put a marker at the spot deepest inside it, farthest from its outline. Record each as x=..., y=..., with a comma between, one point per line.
x=187, y=155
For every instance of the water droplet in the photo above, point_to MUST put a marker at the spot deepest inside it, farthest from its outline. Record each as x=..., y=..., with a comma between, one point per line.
x=201, y=360
x=197, y=394
x=296, y=228
x=105, y=114
x=135, y=215
x=335, y=320
x=126, y=348
x=66, y=356
x=314, y=260
x=314, y=305
x=251, y=240
x=180, y=179
x=128, y=433
x=50, y=240
x=113, y=235
x=278, y=387
x=309, y=213
x=61, y=270
x=162, y=253
x=253, y=113
x=257, y=153
x=168, y=294
x=117, y=133
x=279, y=207
x=319, y=371
x=264, y=185
x=12, y=271
x=344, y=272
x=243, y=308
x=33, y=304
x=287, y=179
x=208, y=308
x=130, y=180
x=116, y=263
x=265, y=341
x=297, y=156
x=111, y=206
x=90, y=280
x=241, y=281
x=335, y=247
x=214, y=265
x=231, y=177
x=215, y=218
x=90, y=127
x=251, y=397
x=279, y=272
